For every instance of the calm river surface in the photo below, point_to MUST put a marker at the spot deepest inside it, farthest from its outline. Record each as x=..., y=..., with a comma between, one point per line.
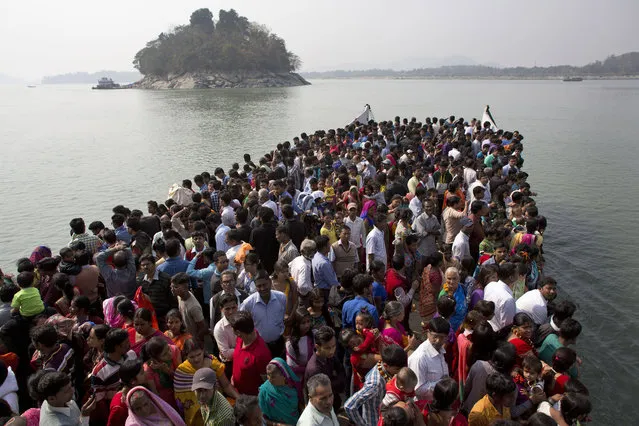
x=68, y=151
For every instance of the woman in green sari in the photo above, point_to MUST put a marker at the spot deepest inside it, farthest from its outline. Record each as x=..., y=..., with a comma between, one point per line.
x=279, y=396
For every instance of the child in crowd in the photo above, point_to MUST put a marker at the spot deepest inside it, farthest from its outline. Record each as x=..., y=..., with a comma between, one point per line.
x=67, y=264
x=176, y=329
x=58, y=407
x=355, y=342
x=495, y=405
x=562, y=361
x=27, y=301
x=569, y=330
x=486, y=308
x=400, y=388
x=318, y=310
x=49, y=354
x=528, y=378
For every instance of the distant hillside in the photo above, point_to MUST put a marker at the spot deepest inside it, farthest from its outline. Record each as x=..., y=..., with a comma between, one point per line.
x=7, y=79
x=92, y=78
x=626, y=65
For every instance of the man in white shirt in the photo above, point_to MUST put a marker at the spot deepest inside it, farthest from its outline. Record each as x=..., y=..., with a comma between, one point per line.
x=501, y=294
x=416, y=203
x=319, y=411
x=461, y=245
x=375, y=245
x=223, y=332
x=428, y=359
x=301, y=270
x=482, y=181
x=358, y=230
x=534, y=302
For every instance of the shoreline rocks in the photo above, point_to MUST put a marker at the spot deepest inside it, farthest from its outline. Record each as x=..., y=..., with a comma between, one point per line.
x=221, y=80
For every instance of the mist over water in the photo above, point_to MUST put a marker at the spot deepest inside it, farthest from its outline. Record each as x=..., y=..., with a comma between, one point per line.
x=68, y=151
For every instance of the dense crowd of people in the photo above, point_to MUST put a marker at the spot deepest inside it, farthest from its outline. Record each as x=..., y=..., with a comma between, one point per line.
x=386, y=273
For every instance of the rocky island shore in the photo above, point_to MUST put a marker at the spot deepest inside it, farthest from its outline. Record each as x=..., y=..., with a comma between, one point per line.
x=222, y=80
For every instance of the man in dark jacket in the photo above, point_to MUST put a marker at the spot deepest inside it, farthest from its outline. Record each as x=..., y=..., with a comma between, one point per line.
x=157, y=286
x=263, y=238
x=296, y=229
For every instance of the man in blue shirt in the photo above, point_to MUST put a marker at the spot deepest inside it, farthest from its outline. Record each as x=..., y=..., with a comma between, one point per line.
x=267, y=307
x=121, y=233
x=362, y=286
x=323, y=270
x=174, y=263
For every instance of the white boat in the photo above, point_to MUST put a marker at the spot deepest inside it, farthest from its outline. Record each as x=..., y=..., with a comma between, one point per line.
x=487, y=117
x=365, y=116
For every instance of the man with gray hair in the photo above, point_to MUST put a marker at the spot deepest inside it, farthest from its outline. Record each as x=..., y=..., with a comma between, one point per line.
x=302, y=270
x=319, y=411
x=265, y=201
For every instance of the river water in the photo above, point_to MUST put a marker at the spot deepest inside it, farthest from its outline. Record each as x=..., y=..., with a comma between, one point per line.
x=68, y=151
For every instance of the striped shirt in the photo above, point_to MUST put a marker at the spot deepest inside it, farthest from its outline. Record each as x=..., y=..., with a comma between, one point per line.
x=60, y=360
x=363, y=407
x=105, y=378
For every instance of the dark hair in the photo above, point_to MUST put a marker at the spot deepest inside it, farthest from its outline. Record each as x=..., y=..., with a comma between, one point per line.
x=396, y=416
x=322, y=241
x=180, y=278
x=446, y=306
x=175, y=313
x=485, y=307
x=361, y=283
x=25, y=265
x=295, y=336
x=172, y=247
x=541, y=419
x=129, y=370
x=244, y=406
x=81, y=302
x=521, y=319
x=144, y=314
x=394, y=356
x=50, y=383
x=133, y=223
x=100, y=330
x=226, y=298
x=114, y=337
x=190, y=346
x=574, y=405
x=484, y=343
x=118, y=220
x=532, y=363
x=499, y=384
x=574, y=385
x=444, y=394
x=324, y=335
x=7, y=291
x=439, y=325
x=242, y=321
x=25, y=279
x=504, y=358
x=126, y=308
x=563, y=359
x=569, y=329
x=562, y=310
x=507, y=270
x=44, y=334
x=62, y=282
x=147, y=258
x=83, y=257
x=153, y=348
x=77, y=225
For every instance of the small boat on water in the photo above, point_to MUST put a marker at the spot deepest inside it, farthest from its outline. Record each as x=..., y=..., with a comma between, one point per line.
x=105, y=84
x=570, y=79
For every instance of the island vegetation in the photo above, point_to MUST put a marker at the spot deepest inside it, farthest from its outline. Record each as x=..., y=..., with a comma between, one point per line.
x=615, y=66
x=229, y=49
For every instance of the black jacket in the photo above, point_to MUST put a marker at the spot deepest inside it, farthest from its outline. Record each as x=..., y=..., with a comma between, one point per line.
x=159, y=291
x=264, y=242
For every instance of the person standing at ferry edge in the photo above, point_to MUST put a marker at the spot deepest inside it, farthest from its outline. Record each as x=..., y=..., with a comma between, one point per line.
x=501, y=294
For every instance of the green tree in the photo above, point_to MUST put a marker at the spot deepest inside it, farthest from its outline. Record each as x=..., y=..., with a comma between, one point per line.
x=203, y=19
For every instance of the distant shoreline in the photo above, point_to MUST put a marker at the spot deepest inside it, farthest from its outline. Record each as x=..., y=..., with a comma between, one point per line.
x=306, y=76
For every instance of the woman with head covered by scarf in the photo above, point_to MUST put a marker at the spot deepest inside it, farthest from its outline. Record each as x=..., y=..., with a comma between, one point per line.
x=279, y=396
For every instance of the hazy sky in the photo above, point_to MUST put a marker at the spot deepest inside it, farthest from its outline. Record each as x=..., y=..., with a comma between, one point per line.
x=44, y=37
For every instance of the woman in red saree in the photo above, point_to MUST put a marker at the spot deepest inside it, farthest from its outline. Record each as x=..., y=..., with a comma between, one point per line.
x=521, y=335
x=432, y=279
x=143, y=331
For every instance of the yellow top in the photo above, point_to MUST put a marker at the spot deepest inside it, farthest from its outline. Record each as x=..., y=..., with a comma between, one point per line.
x=484, y=413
